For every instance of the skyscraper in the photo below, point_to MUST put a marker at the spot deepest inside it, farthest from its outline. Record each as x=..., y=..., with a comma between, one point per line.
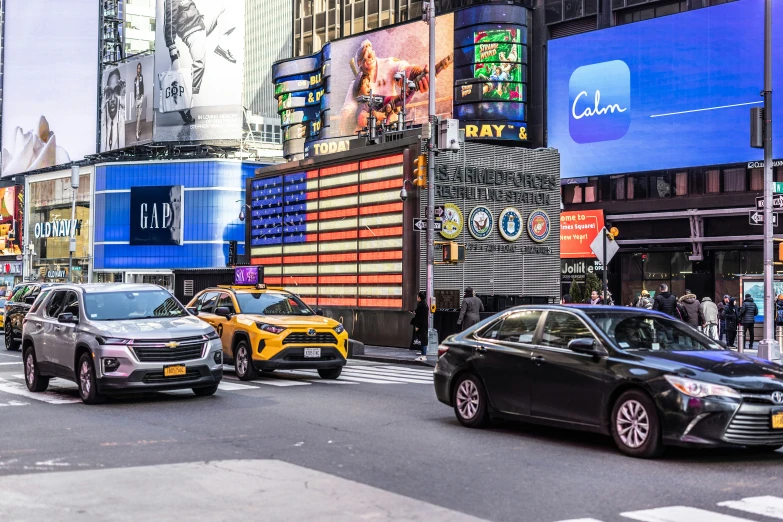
x=267, y=39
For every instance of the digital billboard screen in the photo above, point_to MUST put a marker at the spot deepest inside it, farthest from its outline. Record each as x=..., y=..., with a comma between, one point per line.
x=50, y=83
x=665, y=93
x=126, y=104
x=199, y=58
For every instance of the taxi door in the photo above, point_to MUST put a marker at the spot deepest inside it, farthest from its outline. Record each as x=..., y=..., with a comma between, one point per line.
x=225, y=326
x=206, y=306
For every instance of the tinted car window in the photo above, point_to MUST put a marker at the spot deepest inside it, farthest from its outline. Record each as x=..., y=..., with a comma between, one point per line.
x=39, y=301
x=271, y=304
x=55, y=303
x=71, y=305
x=519, y=327
x=208, y=302
x=225, y=300
x=491, y=331
x=561, y=328
x=651, y=332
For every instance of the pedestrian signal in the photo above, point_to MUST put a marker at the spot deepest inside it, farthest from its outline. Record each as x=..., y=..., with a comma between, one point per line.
x=420, y=172
x=453, y=252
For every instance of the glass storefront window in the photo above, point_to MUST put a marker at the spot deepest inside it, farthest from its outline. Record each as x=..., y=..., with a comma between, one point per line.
x=751, y=262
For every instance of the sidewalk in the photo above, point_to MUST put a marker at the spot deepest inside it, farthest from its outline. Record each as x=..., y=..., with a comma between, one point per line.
x=387, y=354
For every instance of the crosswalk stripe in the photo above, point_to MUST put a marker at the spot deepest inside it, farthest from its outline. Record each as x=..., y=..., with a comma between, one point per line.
x=396, y=378
x=407, y=370
x=272, y=381
x=390, y=372
x=768, y=506
x=345, y=377
x=329, y=381
x=10, y=363
x=680, y=514
x=13, y=403
x=49, y=397
x=232, y=386
x=581, y=520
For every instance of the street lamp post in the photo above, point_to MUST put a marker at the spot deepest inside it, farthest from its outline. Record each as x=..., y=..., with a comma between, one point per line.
x=769, y=346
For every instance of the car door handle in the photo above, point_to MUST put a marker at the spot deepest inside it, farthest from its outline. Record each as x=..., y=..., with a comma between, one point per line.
x=480, y=349
x=538, y=359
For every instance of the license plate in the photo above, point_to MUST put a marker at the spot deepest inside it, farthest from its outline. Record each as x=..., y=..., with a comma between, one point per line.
x=173, y=371
x=312, y=352
x=777, y=421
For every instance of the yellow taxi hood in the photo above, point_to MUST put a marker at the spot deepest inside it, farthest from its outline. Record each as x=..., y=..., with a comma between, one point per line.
x=294, y=321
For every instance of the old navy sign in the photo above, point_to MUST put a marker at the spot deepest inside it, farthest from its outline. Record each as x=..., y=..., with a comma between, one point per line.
x=57, y=228
x=156, y=215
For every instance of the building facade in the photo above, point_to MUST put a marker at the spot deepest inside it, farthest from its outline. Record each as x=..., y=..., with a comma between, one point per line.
x=268, y=38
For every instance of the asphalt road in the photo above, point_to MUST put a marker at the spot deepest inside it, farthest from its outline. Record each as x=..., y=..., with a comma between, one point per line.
x=379, y=435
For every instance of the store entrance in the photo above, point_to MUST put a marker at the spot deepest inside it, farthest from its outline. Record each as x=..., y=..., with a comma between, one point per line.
x=164, y=280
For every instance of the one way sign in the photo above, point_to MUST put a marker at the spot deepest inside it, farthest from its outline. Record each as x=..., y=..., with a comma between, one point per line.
x=757, y=218
x=777, y=202
x=420, y=225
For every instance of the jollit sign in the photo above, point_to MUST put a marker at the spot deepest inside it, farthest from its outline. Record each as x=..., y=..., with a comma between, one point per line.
x=578, y=230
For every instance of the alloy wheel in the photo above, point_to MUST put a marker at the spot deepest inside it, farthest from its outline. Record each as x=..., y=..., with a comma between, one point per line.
x=84, y=378
x=633, y=424
x=467, y=399
x=29, y=369
x=242, y=360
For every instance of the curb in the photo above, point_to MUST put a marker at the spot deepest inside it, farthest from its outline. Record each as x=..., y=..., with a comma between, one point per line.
x=392, y=360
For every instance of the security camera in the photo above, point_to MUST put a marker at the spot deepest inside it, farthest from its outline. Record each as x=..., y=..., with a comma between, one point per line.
x=403, y=194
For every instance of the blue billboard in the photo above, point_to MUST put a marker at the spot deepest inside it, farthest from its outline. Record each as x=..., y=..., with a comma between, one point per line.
x=666, y=93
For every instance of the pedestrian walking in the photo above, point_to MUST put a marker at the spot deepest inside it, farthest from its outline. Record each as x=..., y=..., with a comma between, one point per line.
x=710, y=311
x=470, y=309
x=645, y=301
x=779, y=310
x=420, y=324
x=690, y=309
x=566, y=300
x=747, y=317
x=665, y=302
x=721, y=319
x=731, y=317
x=595, y=299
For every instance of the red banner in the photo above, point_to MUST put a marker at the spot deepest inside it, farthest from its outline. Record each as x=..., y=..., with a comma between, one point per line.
x=577, y=231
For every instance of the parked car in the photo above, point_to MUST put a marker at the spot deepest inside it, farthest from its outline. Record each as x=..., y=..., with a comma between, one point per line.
x=269, y=329
x=640, y=376
x=22, y=298
x=118, y=338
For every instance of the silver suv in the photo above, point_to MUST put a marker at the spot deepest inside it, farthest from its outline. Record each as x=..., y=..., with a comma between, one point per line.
x=118, y=338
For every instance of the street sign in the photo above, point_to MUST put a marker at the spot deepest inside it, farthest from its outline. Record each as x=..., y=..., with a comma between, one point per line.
x=757, y=218
x=420, y=225
x=597, y=246
x=439, y=211
x=777, y=202
x=778, y=187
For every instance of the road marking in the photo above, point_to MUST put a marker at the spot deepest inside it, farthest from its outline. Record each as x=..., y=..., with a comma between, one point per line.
x=581, y=520
x=9, y=363
x=49, y=397
x=767, y=506
x=13, y=403
x=680, y=514
x=352, y=372
x=406, y=369
x=345, y=377
x=232, y=386
x=10, y=355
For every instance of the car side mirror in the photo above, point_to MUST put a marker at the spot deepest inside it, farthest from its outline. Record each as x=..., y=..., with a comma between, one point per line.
x=193, y=310
x=29, y=300
x=319, y=311
x=223, y=311
x=67, y=318
x=587, y=346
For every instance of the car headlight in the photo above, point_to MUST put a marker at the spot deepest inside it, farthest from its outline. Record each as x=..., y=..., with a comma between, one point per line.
x=112, y=340
x=339, y=329
x=270, y=328
x=212, y=335
x=694, y=388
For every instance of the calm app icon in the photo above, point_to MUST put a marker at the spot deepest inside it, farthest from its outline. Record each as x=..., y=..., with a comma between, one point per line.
x=599, y=102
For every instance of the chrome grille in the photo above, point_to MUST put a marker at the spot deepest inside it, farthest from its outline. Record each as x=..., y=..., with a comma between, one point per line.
x=753, y=428
x=303, y=338
x=158, y=377
x=156, y=350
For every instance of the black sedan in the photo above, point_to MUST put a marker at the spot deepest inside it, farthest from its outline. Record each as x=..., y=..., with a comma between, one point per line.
x=641, y=376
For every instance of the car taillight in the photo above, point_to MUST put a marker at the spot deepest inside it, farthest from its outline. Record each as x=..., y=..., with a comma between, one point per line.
x=442, y=349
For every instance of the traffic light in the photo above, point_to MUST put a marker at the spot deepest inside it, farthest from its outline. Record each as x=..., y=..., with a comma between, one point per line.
x=420, y=172
x=453, y=252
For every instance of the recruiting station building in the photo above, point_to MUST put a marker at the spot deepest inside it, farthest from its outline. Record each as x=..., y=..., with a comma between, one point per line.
x=665, y=150
x=334, y=230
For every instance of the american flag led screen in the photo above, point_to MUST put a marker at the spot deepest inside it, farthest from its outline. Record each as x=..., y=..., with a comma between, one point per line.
x=333, y=235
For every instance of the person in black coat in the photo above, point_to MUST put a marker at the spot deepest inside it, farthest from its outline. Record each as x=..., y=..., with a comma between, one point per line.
x=420, y=324
x=666, y=302
x=731, y=317
x=747, y=318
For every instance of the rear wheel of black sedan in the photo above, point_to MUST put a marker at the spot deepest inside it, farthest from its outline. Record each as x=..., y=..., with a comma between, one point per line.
x=470, y=401
x=635, y=425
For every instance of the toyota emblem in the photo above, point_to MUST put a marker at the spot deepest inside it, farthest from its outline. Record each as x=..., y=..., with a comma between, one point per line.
x=777, y=397
x=311, y=333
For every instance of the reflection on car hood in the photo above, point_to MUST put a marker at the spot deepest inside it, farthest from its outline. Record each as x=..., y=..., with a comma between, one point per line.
x=294, y=321
x=721, y=367
x=158, y=328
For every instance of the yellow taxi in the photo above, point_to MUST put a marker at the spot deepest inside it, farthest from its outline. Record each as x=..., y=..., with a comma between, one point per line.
x=265, y=329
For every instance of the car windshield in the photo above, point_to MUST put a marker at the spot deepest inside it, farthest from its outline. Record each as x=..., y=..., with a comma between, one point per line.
x=119, y=306
x=271, y=304
x=634, y=331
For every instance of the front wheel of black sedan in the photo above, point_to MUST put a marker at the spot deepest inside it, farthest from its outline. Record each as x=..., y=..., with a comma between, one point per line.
x=635, y=425
x=470, y=401
x=10, y=344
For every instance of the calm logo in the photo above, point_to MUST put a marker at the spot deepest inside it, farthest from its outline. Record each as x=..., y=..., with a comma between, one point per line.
x=600, y=102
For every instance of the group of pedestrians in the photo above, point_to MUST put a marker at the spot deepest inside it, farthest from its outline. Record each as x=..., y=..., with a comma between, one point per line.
x=718, y=321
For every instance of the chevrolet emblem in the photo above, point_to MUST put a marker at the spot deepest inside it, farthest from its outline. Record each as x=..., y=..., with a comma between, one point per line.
x=172, y=344
x=311, y=332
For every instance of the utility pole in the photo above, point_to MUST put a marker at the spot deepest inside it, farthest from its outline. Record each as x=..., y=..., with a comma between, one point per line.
x=432, y=334
x=768, y=347
x=72, y=235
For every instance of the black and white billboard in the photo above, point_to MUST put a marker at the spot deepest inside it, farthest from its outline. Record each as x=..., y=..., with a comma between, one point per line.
x=156, y=215
x=126, y=104
x=199, y=55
